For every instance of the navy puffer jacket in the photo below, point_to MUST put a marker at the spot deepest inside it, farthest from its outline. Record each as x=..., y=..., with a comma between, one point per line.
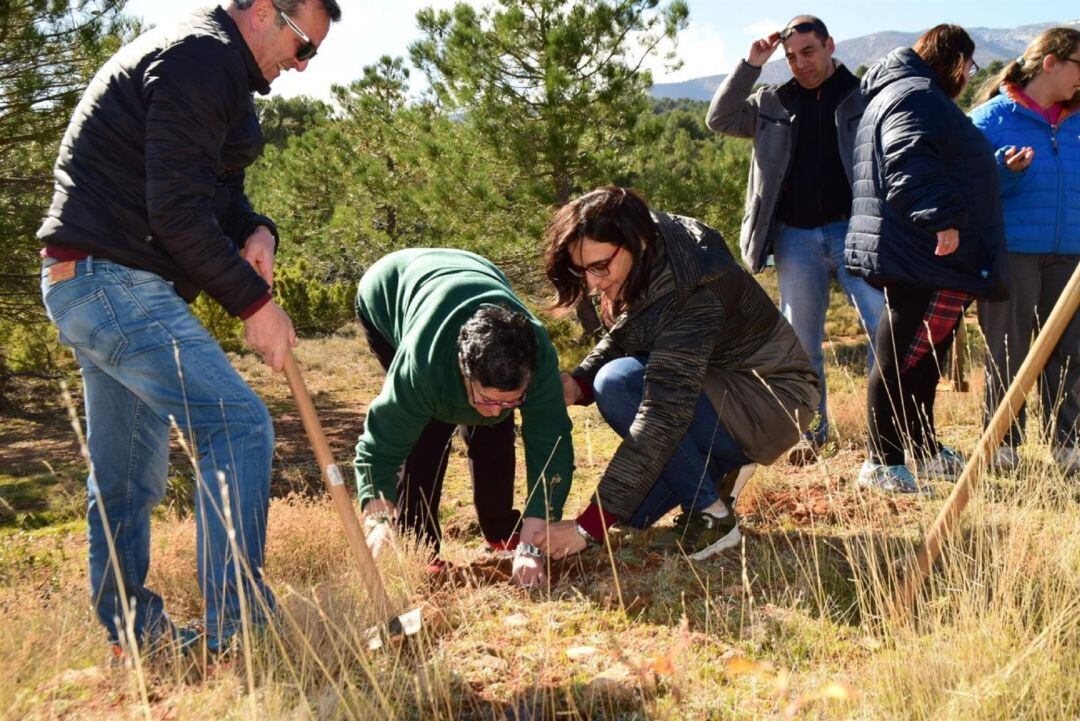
x=921, y=167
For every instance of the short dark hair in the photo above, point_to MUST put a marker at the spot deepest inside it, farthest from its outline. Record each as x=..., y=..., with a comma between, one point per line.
x=333, y=10
x=497, y=348
x=946, y=48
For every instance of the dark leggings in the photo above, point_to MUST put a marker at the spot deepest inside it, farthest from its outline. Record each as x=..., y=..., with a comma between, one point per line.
x=491, y=464
x=900, y=405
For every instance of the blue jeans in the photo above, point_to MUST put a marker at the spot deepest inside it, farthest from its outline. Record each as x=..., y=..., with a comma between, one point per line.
x=704, y=455
x=806, y=260
x=145, y=359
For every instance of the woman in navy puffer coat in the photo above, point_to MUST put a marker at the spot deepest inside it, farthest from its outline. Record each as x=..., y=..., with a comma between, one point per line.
x=926, y=226
x=1031, y=116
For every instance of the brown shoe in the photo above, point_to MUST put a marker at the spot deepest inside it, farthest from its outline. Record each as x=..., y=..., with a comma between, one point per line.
x=804, y=454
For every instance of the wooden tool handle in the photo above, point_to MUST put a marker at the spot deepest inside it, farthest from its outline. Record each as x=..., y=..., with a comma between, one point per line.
x=1007, y=410
x=335, y=484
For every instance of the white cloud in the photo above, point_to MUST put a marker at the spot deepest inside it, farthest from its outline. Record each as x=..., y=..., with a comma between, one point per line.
x=703, y=52
x=761, y=28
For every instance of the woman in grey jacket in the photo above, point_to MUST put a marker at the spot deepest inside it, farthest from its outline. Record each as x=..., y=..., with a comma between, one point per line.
x=699, y=372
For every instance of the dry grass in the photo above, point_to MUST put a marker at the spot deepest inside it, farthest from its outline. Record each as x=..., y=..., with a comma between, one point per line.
x=793, y=625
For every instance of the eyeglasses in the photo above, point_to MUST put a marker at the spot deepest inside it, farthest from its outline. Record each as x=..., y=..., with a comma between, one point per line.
x=1071, y=60
x=974, y=67
x=599, y=269
x=802, y=28
x=479, y=399
x=308, y=49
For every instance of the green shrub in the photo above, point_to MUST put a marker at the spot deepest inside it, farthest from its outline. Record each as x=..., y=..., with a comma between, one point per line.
x=316, y=306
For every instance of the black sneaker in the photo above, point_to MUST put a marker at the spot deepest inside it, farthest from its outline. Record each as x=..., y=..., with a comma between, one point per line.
x=700, y=535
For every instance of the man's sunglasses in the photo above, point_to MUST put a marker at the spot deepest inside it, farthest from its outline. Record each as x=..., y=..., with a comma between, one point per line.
x=308, y=49
x=600, y=268
x=802, y=28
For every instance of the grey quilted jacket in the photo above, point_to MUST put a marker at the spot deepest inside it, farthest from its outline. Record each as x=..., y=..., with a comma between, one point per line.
x=706, y=325
x=765, y=117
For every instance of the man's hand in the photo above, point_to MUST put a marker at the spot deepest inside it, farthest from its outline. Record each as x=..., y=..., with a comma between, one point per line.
x=562, y=539
x=259, y=252
x=947, y=241
x=571, y=391
x=379, y=522
x=761, y=50
x=270, y=333
x=1018, y=159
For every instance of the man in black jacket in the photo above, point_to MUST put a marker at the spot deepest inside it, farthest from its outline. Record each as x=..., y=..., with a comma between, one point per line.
x=149, y=210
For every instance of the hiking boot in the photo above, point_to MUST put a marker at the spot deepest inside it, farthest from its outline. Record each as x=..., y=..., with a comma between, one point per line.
x=733, y=482
x=947, y=465
x=894, y=479
x=700, y=535
x=1006, y=460
x=1068, y=459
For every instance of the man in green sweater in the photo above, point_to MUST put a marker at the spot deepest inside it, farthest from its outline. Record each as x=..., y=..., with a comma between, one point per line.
x=460, y=351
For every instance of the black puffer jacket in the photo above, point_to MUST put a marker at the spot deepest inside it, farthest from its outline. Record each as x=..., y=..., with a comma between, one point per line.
x=706, y=326
x=151, y=171
x=920, y=167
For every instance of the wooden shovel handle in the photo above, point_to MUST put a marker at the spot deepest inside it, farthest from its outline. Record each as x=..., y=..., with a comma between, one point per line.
x=335, y=484
x=1007, y=410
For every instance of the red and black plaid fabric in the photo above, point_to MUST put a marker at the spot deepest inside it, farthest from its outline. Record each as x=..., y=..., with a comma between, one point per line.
x=942, y=314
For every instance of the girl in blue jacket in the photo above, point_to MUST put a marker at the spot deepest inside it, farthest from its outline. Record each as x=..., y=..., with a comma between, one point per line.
x=1031, y=115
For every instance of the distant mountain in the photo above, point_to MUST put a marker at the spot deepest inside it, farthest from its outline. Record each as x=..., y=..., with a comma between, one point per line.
x=990, y=44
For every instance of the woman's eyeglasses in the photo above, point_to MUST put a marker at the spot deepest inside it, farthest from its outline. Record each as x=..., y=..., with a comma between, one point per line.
x=599, y=269
x=308, y=49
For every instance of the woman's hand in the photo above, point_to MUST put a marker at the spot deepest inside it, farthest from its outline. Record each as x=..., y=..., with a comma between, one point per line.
x=571, y=391
x=528, y=571
x=562, y=539
x=947, y=241
x=1017, y=160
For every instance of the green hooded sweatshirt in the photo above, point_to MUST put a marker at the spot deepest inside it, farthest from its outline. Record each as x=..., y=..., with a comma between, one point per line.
x=418, y=299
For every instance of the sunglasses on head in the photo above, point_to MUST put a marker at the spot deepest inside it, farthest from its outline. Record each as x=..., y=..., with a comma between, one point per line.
x=804, y=27
x=308, y=49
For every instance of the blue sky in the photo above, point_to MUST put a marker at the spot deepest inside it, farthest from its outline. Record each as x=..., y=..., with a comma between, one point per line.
x=719, y=34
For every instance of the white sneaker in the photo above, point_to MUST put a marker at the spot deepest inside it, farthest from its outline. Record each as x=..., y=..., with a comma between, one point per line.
x=1006, y=460
x=894, y=479
x=947, y=465
x=1068, y=459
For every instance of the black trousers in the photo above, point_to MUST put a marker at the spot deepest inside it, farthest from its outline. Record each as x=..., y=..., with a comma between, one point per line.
x=492, y=463
x=1037, y=282
x=900, y=404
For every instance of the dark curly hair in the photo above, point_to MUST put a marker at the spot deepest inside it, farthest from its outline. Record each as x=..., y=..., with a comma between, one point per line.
x=497, y=348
